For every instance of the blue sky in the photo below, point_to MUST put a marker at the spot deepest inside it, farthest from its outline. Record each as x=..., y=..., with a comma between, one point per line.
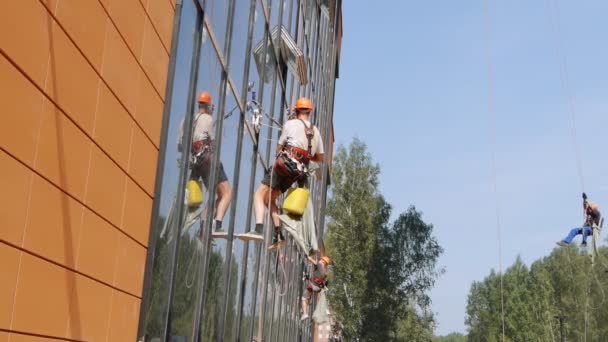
x=413, y=85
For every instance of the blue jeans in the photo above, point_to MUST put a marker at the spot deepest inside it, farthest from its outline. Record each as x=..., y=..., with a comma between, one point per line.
x=576, y=231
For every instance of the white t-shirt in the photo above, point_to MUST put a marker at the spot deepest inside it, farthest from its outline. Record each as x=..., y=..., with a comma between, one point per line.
x=294, y=134
x=203, y=128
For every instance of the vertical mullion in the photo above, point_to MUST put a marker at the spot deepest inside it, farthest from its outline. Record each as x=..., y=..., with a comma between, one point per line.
x=244, y=262
x=236, y=178
x=186, y=139
x=145, y=302
x=207, y=226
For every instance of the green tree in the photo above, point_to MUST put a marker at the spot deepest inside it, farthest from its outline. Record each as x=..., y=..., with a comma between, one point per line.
x=383, y=272
x=453, y=337
x=355, y=209
x=561, y=284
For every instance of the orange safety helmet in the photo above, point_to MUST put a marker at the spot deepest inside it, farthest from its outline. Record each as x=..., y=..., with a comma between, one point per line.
x=303, y=103
x=204, y=97
x=326, y=259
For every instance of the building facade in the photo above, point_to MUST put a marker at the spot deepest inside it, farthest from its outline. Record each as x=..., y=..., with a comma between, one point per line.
x=96, y=241
x=83, y=95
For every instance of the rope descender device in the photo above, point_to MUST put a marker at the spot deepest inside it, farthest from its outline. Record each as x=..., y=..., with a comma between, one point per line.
x=253, y=106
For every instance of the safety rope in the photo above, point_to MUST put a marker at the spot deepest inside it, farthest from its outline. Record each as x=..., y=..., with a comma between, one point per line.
x=194, y=261
x=553, y=11
x=281, y=262
x=554, y=18
x=492, y=113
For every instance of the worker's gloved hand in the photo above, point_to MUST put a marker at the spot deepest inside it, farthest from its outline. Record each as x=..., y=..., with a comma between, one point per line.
x=584, y=196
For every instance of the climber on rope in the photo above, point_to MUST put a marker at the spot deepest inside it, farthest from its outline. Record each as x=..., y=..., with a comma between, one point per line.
x=299, y=144
x=202, y=153
x=316, y=283
x=592, y=221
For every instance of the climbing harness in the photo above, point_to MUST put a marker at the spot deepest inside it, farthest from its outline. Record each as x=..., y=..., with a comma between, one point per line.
x=292, y=161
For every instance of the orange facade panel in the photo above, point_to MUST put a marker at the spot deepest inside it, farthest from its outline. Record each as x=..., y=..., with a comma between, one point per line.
x=71, y=81
x=98, y=247
x=120, y=69
x=130, y=264
x=15, y=184
x=63, y=152
x=137, y=213
x=9, y=263
x=123, y=317
x=24, y=103
x=149, y=109
x=30, y=338
x=89, y=311
x=113, y=127
x=161, y=14
x=129, y=17
x=88, y=34
x=84, y=87
x=53, y=228
x=106, y=187
x=30, y=49
x=154, y=58
x=143, y=155
x=43, y=296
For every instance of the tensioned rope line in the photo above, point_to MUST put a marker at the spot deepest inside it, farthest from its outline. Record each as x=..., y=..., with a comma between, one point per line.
x=553, y=11
x=492, y=113
x=555, y=21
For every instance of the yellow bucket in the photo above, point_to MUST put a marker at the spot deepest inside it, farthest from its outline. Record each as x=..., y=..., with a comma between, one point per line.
x=295, y=201
x=195, y=194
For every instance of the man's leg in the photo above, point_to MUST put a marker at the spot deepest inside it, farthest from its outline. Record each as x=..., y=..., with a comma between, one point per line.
x=260, y=201
x=573, y=233
x=274, y=210
x=259, y=204
x=224, y=196
x=586, y=232
x=305, y=302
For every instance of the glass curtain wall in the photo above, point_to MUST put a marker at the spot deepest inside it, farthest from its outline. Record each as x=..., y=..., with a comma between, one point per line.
x=252, y=59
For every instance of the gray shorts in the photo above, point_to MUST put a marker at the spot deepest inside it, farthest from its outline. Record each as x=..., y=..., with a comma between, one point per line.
x=202, y=169
x=279, y=182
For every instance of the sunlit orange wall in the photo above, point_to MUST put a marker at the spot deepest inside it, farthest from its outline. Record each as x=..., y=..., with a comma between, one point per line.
x=81, y=100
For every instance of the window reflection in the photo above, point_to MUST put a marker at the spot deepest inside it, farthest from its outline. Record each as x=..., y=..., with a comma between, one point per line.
x=217, y=16
x=155, y=302
x=227, y=285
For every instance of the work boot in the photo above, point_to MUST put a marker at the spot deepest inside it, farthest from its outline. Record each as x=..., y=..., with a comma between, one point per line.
x=304, y=317
x=584, y=244
x=277, y=240
x=562, y=243
x=252, y=235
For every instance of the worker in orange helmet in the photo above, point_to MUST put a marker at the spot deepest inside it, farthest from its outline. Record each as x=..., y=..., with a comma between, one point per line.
x=202, y=152
x=592, y=221
x=299, y=144
x=316, y=283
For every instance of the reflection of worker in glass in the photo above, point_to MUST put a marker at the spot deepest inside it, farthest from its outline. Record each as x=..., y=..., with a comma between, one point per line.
x=203, y=139
x=299, y=144
x=316, y=283
x=592, y=221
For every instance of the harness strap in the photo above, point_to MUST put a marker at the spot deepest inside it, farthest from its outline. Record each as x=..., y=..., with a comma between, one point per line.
x=310, y=132
x=299, y=154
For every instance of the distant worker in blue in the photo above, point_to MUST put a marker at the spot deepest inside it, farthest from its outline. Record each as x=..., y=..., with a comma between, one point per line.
x=592, y=221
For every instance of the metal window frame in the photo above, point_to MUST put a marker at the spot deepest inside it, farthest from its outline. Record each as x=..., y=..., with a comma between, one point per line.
x=159, y=167
x=315, y=35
